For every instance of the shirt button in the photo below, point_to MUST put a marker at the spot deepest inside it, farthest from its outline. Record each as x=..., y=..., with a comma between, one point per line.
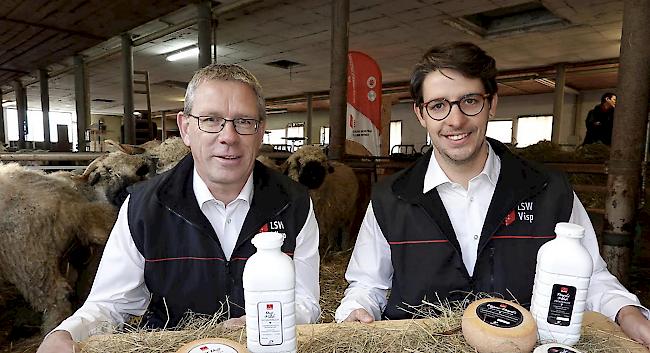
x=228, y=221
x=475, y=236
x=471, y=199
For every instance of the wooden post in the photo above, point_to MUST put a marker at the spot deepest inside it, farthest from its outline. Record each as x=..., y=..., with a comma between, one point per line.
x=310, y=109
x=21, y=108
x=204, y=24
x=127, y=89
x=338, y=77
x=558, y=102
x=628, y=138
x=45, y=107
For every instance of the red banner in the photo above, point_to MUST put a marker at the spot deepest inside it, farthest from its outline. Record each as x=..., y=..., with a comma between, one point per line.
x=364, y=101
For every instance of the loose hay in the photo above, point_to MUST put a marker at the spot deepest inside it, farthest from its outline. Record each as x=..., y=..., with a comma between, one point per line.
x=332, y=283
x=440, y=334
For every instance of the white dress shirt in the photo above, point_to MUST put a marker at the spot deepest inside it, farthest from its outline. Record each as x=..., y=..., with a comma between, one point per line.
x=119, y=291
x=370, y=270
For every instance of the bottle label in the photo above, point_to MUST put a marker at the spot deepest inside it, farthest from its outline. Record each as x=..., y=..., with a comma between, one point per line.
x=499, y=314
x=269, y=322
x=560, y=306
x=559, y=350
x=212, y=348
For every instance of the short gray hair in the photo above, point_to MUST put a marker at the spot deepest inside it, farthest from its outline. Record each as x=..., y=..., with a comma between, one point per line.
x=224, y=72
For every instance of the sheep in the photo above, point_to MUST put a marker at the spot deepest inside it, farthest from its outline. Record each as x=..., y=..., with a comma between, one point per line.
x=50, y=220
x=333, y=188
x=165, y=155
x=42, y=216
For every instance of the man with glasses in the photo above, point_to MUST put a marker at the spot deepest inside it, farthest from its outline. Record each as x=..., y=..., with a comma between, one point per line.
x=469, y=216
x=182, y=239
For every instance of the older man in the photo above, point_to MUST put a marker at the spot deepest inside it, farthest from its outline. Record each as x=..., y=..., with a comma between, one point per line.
x=181, y=239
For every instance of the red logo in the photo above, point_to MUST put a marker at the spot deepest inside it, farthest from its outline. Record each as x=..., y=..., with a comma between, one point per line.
x=564, y=290
x=509, y=218
x=265, y=228
x=269, y=306
x=503, y=305
x=352, y=124
x=204, y=348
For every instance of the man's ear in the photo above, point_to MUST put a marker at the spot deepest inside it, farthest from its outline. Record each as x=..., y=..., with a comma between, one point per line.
x=418, y=114
x=183, y=126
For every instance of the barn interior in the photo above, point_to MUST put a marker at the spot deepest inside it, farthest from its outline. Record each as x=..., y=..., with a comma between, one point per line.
x=75, y=74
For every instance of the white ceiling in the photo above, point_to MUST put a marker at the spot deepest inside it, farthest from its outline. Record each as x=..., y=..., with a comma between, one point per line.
x=395, y=33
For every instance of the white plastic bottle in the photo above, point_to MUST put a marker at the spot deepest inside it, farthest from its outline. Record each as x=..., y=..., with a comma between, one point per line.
x=269, y=282
x=562, y=277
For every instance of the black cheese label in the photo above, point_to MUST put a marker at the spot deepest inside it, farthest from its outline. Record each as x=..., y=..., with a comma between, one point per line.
x=559, y=350
x=499, y=314
x=561, y=303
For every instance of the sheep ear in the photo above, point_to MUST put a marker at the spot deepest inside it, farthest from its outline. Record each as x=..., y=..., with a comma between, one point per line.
x=130, y=149
x=93, y=165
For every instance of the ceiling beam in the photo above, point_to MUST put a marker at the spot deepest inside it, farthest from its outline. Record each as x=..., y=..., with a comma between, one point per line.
x=54, y=28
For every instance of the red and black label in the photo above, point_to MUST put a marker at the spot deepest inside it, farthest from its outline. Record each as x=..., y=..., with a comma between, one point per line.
x=560, y=307
x=499, y=314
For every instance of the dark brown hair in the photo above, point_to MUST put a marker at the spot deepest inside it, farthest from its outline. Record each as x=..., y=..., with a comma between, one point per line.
x=464, y=57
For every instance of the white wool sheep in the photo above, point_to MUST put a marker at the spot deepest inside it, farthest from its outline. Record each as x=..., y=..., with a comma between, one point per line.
x=333, y=188
x=46, y=216
x=41, y=217
x=164, y=155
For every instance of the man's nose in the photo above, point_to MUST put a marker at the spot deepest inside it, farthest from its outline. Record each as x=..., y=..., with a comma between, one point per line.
x=229, y=133
x=456, y=116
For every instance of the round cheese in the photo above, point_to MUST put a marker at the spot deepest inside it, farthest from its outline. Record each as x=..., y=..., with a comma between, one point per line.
x=213, y=345
x=493, y=325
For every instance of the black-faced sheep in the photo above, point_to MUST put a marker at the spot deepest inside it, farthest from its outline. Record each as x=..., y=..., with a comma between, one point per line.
x=333, y=188
x=45, y=217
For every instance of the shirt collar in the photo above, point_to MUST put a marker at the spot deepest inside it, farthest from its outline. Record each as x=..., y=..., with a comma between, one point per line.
x=435, y=176
x=204, y=195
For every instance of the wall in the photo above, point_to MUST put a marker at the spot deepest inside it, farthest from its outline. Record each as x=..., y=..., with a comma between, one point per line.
x=318, y=117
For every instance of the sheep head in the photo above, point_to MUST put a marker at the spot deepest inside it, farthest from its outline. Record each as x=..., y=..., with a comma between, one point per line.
x=308, y=166
x=112, y=173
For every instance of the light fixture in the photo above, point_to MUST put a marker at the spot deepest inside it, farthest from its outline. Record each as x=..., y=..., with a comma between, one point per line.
x=188, y=52
x=276, y=111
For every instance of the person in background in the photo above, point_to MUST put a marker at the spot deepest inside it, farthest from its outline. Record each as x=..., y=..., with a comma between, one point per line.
x=181, y=239
x=600, y=121
x=469, y=216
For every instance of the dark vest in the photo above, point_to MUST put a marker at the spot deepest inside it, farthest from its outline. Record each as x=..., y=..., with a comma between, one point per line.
x=528, y=201
x=185, y=266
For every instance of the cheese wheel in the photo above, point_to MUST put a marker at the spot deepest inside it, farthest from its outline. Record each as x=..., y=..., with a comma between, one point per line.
x=213, y=345
x=493, y=325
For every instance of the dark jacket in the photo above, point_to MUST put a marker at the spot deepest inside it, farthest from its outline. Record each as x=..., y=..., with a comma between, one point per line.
x=599, y=125
x=528, y=201
x=185, y=266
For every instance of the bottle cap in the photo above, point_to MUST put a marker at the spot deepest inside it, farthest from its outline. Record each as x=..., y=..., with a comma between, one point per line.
x=569, y=230
x=268, y=240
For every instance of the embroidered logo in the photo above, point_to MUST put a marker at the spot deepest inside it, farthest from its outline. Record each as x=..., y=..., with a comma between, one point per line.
x=525, y=211
x=273, y=226
x=509, y=218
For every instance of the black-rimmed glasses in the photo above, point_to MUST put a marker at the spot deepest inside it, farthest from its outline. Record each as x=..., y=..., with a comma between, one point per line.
x=470, y=105
x=214, y=124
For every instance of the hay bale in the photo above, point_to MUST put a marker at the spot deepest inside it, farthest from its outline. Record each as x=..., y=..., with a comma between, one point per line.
x=441, y=334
